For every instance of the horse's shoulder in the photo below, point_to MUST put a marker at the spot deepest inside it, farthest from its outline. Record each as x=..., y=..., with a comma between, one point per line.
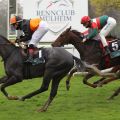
x=93, y=41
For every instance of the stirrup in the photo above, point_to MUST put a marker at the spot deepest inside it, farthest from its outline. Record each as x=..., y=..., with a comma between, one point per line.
x=38, y=61
x=30, y=60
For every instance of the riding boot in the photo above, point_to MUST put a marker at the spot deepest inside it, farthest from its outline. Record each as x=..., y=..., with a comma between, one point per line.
x=31, y=53
x=107, y=50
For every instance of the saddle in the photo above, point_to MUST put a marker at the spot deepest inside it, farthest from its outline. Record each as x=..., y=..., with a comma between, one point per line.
x=38, y=57
x=114, y=47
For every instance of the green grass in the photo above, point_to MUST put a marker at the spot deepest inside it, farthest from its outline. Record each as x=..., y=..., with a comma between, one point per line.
x=80, y=103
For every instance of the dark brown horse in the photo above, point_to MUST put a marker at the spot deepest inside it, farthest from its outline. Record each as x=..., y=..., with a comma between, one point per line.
x=90, y=52
x=58, y=63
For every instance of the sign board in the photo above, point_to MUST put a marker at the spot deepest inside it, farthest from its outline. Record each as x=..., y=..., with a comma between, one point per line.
x=4, y=5
x=60, y=14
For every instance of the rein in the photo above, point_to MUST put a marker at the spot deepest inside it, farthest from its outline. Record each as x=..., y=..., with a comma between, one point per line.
x=10, y=43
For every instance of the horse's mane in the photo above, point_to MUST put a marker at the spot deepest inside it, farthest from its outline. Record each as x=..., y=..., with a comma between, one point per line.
x=109, y=36
x=1, y=36
x=76, y=33
x=6, y=41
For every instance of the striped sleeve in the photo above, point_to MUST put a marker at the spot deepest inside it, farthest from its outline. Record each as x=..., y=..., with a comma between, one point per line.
x=93, y=32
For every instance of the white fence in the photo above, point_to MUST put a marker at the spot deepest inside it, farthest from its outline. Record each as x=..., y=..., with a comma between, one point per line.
x=69, y=48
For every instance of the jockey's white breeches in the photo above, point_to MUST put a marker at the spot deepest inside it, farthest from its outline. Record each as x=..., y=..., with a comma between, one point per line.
x=39, y=33
x=111, y=23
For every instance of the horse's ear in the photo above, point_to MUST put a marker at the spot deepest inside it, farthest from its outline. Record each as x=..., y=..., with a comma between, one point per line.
x=68, y=29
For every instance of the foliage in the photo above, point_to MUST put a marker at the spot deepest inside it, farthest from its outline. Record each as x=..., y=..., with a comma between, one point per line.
x=104, y=6
x=108, y=7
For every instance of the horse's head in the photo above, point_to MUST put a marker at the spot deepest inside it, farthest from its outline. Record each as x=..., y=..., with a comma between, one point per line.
x=67, y=37
x=63, y=38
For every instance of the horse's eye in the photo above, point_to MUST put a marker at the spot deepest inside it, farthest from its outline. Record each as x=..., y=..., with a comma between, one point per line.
x=61, y=35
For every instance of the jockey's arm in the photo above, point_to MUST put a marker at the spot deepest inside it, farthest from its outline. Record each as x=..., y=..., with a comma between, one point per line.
x=93, y=31
x=27, y=33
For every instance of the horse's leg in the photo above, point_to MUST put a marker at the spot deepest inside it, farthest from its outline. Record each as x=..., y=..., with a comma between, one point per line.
x=12, y=80
x=44, y=87
x=53, y=93
x=114, y=70
x=114, y=94
x=69, y=77
x=3, y=79
x=100, y=80
x=106, y=81
x=86, y=78
x=93, y=68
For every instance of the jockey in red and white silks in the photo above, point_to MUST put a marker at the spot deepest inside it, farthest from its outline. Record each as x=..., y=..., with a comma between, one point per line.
x=101, y=25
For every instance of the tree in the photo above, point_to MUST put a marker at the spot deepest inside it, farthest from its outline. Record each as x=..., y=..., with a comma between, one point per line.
x=3, y=17
x=106, y=7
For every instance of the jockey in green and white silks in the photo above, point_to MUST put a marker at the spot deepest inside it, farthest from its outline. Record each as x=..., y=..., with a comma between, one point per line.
x=101, y=25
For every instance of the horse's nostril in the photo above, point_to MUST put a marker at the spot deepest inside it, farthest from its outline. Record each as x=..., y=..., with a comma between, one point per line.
x=52, y=45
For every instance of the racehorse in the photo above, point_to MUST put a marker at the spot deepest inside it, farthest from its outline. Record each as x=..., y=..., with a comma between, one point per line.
x=91, y=52
x=58, y=63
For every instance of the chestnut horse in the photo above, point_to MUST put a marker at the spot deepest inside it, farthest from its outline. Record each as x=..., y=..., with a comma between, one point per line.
x=90, y=52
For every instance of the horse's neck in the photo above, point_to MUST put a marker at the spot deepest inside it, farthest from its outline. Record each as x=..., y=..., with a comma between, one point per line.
x=6, y=50
x=79, y=46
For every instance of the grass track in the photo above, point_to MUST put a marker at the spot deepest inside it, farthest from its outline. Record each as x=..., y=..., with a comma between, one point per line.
x=80, y=103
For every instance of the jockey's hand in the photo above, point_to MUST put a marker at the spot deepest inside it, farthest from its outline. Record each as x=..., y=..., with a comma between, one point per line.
x=84, y=40
x=17, y=40
x=21, y=37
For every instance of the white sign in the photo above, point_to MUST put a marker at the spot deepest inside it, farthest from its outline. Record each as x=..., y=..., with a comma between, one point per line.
x=59, y=14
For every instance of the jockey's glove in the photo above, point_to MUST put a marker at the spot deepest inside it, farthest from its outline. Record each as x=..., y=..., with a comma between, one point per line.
x=20, y=39
x=85, y=39
x=17, y=40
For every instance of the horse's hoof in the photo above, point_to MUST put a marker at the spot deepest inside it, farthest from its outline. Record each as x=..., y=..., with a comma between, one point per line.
x=21, y=99
x=96, y=82
x=110, y=98
x=67, y=87
x=99, y=85
x=13, y=98
x=94, y=85
x=41, y=110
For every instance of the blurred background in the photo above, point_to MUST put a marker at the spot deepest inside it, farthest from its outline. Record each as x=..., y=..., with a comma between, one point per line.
x=106, y=7
x=94, y=8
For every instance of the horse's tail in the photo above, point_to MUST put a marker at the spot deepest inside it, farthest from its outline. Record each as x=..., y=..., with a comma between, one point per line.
x=79, y=64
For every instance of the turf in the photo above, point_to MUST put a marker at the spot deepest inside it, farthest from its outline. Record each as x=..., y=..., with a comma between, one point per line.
x=79, y=103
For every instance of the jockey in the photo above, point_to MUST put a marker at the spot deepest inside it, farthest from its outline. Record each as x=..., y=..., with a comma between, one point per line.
x=102, y=26
x=33, y=29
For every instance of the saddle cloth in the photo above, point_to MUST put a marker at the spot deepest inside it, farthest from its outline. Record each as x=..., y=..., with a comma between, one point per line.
x=114, y=47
